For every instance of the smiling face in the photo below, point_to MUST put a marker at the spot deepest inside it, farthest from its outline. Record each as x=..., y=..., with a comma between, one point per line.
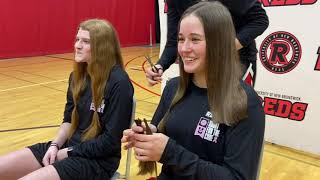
x=82, y=46
x=192, y=45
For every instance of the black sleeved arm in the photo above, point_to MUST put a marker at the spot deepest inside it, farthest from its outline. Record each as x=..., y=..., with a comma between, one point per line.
x=69, y=104
x=116, y=118
x=256, y=22
x=238, y=7
x=242, y=150
x=169, y=54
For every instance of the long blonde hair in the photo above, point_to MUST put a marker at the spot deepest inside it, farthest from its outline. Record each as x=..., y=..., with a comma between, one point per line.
x=227, y=99
x=105, y=54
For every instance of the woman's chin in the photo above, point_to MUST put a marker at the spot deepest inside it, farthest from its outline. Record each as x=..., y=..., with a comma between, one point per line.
x=80, y=60
x=189, y=69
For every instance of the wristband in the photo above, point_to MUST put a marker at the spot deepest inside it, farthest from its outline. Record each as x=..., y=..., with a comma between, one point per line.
x=56, y=145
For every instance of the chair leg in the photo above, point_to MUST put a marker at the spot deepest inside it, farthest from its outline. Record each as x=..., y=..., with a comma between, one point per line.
x=115, y=176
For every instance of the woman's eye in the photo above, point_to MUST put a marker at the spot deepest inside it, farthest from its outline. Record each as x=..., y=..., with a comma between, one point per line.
x=196, y=39
x=180, y=39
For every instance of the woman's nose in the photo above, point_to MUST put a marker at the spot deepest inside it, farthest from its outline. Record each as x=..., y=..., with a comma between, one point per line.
x=77, y=44
x=186, y=46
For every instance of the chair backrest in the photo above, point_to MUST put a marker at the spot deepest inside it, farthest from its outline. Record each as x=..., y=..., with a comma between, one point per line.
x=260, y=161
x=126, y=176
x=127, y=173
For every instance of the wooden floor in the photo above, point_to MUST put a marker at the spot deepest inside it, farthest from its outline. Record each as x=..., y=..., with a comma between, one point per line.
x=32, y=96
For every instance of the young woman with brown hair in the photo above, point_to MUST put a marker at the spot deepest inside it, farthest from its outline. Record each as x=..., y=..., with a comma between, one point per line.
x=209, y=124
x=98, y=109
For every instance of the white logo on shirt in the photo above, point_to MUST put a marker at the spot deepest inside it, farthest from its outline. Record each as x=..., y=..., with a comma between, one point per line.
x=207, y=129
x=100, y=109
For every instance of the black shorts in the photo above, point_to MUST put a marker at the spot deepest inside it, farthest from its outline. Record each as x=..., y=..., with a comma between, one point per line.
x=70, y=168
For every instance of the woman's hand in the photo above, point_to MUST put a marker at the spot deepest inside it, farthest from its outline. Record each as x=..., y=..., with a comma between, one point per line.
x=62, y=153
x=128, y=138
x=149, y=147
x=152, y=127
x=128, y=134
x=50, y=156
x=153, y=76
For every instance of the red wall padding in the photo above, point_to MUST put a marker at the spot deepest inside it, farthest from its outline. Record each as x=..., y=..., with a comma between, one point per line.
x=39, y=27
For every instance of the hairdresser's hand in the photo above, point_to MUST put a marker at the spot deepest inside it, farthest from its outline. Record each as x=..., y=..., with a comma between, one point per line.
x=50, y=156
x=238, y=44
x=62, y=153
x=150, y=147
x=153, y=76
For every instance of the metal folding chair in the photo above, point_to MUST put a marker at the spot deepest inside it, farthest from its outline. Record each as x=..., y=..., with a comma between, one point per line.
x=126, y=176
x=260, y=161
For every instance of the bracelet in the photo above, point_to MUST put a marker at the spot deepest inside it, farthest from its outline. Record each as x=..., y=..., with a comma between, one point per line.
x=69, y=151
x=55, y=144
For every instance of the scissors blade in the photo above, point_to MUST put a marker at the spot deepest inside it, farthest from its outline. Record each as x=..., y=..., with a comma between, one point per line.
x=150, y=62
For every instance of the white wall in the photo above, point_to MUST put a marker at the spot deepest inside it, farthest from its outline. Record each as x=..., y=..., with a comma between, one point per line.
x=297, y=125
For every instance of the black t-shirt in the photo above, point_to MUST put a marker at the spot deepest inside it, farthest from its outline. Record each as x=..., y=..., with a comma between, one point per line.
x=200, y=149
x=115, y=116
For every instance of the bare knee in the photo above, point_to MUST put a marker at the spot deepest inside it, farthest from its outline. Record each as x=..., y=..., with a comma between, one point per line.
x=17, y=164
x=48, y=172
x=3, y=166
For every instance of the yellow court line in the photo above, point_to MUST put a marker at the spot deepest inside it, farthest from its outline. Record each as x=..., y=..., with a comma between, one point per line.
x=39, y=84
x=133, y=67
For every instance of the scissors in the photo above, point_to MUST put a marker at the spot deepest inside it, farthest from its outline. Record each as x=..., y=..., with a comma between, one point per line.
x=151, y=64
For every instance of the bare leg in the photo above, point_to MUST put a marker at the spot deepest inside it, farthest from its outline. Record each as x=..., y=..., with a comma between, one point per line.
x=17, y=164
x=48, y=172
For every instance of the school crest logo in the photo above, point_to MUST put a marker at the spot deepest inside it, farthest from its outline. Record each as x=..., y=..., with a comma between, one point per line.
x=280, y=52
